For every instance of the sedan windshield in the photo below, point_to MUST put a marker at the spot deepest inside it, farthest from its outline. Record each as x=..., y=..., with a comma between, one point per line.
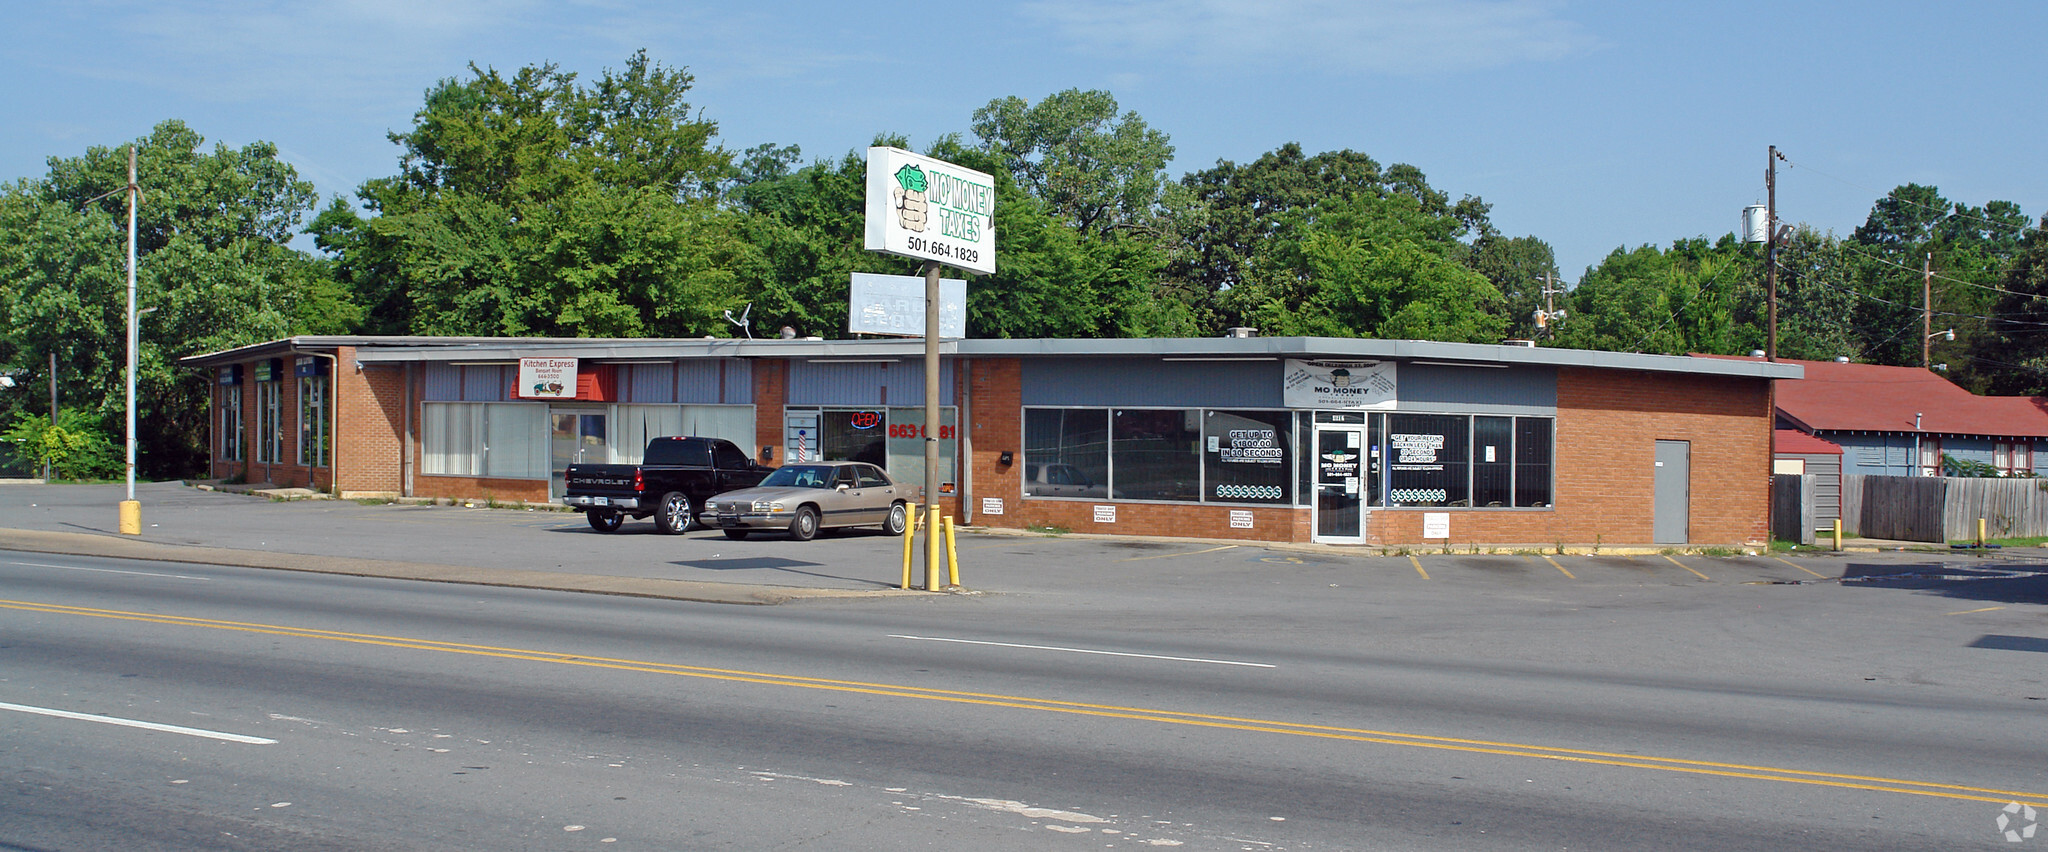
x=801, y=476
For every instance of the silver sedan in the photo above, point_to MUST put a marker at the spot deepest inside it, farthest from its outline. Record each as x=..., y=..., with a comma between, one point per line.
x=804, y=498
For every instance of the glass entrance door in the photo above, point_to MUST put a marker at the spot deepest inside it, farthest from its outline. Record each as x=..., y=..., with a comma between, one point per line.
x=1340, y=484
x=576, y=436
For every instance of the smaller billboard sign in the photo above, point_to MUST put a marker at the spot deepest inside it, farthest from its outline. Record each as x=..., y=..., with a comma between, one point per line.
x=546, y=378
x=1338, y=384
x=894, y=304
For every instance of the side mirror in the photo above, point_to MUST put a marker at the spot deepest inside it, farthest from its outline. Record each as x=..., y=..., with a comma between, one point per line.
x=843, y=486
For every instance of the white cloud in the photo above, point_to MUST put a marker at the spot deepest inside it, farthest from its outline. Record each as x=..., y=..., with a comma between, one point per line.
x=1374, y=36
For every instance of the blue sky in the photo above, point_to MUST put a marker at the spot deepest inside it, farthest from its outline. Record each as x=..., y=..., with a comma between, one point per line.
x=1592, y=125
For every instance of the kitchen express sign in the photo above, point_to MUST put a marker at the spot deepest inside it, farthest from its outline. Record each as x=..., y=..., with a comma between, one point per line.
x=927, y=209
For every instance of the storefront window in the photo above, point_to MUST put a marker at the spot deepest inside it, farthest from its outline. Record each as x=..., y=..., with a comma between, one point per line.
x=231, y=423
x=906, y=447
x=507, y=440
x=1427, y=460
x=1532, y=461
x=269, y=422
x=1246, y=456
x=1493, y=467
x=313, y=421
x=1066, y=452
x=1157, y=453
x=861, y=435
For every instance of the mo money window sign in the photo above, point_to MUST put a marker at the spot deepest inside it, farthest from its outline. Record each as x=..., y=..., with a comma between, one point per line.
x=927, y=209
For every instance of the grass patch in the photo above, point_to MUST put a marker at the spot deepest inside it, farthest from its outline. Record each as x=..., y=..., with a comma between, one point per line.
x=1719, y=551
x=1047, y=529
x=2022, y=541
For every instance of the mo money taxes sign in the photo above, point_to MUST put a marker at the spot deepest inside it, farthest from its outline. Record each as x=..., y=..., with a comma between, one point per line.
x=927, y=209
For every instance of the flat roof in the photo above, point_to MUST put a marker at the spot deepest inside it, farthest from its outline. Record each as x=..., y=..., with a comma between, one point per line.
x=388, y=349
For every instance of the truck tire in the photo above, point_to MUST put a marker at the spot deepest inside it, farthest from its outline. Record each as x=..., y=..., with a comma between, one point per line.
x=899, y=519
x=605, y=522
x=672, y=514
x=805, y=526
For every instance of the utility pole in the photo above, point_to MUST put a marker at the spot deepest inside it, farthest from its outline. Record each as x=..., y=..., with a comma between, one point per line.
x=53, y=404
x=131, y=510
x=1927, y=312
x=1771, y=250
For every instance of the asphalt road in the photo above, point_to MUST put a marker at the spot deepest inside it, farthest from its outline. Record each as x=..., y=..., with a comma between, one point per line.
x=1103, y=694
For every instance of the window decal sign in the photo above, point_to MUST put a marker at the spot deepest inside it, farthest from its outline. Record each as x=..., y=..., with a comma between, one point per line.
x=1338, y=384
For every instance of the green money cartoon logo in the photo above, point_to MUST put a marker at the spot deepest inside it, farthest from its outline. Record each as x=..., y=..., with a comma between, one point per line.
x=909, y=196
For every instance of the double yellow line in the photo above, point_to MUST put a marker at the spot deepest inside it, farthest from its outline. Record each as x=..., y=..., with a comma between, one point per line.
x=1141, y=714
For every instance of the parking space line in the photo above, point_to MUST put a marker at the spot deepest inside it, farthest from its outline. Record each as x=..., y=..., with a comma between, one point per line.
x=1418, y=566
x=1164, y=555
x=1689, y=568
x=1968, y=611
x=1553, y=564
x=1800, y=567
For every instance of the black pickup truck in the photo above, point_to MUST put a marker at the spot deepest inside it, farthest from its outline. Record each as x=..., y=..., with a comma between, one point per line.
x=679, y=473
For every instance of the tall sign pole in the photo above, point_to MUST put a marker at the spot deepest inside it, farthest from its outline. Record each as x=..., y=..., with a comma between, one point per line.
x=939, y=213
x=131, y=510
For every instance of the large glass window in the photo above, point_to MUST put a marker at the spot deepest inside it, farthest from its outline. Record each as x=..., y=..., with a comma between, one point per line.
x=1066, y=452
x=508, y=440
x=1493, y=461
x=906, y=446
x=269, y=422
x=313, y=421
x=1247, y=455
x=1532, y=461
x=1156, y=454
x=231, y=423
x=1428, y=463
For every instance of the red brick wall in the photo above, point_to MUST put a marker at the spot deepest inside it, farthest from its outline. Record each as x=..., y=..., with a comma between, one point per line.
x=1608, y=423
x=771, y=393
x=371, y=443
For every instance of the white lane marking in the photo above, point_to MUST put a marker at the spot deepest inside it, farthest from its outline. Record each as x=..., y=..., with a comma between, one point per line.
x=1086, y=651
x=132, y=723
x=112, y=571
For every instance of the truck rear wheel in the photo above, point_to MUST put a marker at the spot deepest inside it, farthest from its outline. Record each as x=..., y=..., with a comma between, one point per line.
x=672, y=515
x=605, y=522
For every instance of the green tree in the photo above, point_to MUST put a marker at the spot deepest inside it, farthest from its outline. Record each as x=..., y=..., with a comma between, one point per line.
x=2015, y=349
x=531, y=204
x=1517, y=267
x=213, y=267
x=1371, y=266
x=1094, y=169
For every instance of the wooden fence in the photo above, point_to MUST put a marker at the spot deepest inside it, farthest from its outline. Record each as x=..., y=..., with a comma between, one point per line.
x=1943, y=508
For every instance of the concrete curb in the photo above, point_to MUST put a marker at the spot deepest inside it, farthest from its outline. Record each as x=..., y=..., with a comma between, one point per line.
x=87, y=544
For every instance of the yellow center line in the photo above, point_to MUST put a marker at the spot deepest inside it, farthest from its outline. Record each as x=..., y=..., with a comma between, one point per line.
x=1687, y=567
x=1968, y=611
x=1553, y=564
x=1189, y=553
x=1110, y=711
x=1800, y=567
x=1418, y=566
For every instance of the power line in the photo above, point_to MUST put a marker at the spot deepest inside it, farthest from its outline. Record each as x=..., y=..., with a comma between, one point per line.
x=1928, y=207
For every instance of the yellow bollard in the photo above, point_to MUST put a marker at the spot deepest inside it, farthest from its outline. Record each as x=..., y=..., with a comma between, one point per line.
x=131, y=517
x=952, y=556
x=909, y=536
x=1980, y=533
x=931, y=547
x=1838, y=533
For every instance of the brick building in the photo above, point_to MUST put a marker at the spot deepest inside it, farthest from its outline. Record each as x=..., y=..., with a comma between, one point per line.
x=1266, y=439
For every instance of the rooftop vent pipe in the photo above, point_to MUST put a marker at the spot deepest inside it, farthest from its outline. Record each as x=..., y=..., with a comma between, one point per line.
x=1241, y=331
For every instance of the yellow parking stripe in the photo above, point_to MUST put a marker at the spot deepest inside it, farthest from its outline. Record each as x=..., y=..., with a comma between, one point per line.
x=1418, y=566
x=1799, y=566
x=1688, y=568
x=1553, y=564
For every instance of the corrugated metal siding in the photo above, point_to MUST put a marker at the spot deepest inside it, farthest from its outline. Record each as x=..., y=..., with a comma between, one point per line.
x=844, y=383
x=486, y=383
x=697, y=381
x=739, y=381
x=1151, y=382
x=442, y=383
x=651, y=383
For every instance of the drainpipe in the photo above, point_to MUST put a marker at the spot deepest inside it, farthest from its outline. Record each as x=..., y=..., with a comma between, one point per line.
x=1916, y=445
